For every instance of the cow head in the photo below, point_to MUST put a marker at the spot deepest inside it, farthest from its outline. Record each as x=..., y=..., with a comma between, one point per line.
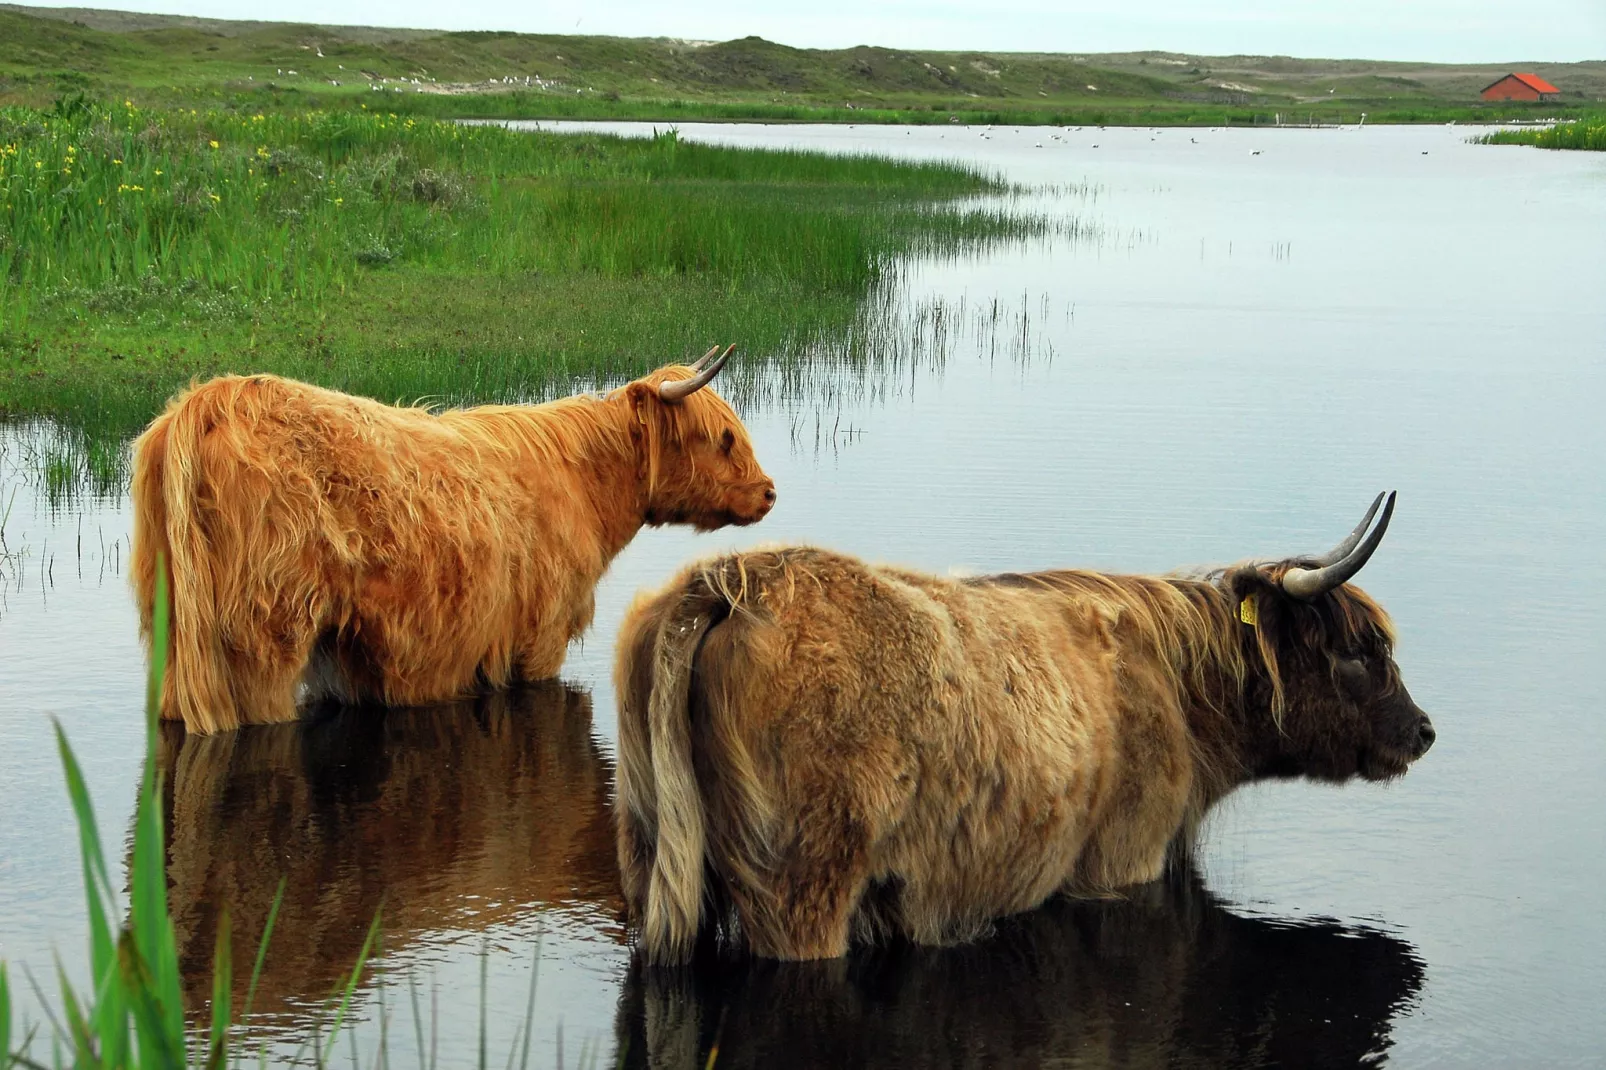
x=696, y=460
x=1339, y=708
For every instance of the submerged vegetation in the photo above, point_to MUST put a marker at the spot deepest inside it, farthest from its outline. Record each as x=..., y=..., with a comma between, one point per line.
x=403, y=257
x=1588, y=132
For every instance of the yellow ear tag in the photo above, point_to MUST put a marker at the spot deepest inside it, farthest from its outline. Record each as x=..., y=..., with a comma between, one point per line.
x=1247, y=611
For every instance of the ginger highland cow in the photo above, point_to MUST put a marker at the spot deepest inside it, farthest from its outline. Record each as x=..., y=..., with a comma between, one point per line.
x=328, y=546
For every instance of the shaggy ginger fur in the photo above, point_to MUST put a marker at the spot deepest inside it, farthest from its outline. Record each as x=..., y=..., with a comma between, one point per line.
x=395, y=555
x=851, y=750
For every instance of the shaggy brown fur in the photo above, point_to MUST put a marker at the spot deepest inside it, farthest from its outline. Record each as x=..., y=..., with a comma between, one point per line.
x=391, y=554
x=851, y=749
x=461, y=817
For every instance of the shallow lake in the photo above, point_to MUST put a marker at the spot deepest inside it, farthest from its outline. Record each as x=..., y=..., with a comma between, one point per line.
x=1245, y=335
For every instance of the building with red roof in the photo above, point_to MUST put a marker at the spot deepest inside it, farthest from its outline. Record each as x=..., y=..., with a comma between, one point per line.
x=1521, y=87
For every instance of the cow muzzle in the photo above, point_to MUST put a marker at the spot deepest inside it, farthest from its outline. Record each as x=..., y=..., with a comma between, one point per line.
x=1425, y=735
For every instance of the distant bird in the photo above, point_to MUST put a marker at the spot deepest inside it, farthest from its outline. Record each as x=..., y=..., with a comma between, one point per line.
x=1255, y=153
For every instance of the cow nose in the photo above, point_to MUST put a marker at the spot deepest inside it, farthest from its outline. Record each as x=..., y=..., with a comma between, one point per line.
x=769, y=495
x=1425, y=735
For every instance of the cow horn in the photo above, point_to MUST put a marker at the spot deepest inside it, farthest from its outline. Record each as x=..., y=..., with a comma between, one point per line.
x=679, y=389
x=1351, y=540
x=1308, y=583
x=698, y=365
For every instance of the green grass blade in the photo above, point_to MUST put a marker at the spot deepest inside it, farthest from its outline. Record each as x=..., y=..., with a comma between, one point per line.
x=262, y=949
x=157, y=1046
x=485, y=958
x=149, y=950
x=418, y=1020
x=351, y=986
x=97, y=886
x=222, y=993
x=83, y=1042
x=108, y=1016
x=5, y=1020
x=529, y=1006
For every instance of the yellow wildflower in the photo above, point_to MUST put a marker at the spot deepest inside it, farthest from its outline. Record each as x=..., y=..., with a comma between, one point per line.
x=212, y=143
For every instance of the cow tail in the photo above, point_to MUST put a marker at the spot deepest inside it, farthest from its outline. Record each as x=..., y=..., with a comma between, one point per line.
x=665, y=836
x=167, y=470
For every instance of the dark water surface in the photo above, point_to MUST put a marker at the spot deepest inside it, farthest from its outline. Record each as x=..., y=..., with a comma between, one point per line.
x=1236, y=354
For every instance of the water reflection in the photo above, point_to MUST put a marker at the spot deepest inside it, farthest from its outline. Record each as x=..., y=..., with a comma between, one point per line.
x=454, y=817
x=1165, y=978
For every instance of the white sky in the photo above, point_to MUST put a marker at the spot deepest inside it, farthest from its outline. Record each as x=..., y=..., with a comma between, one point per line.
x=1484, y=31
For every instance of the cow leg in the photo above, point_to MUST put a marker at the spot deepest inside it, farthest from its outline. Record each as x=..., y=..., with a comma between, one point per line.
x=809, y=911
x=636, y=857
x=266, y=677
x=541, y=659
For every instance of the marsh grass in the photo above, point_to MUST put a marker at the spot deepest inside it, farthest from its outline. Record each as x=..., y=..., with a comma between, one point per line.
x=1588, y=133
x=403, y=257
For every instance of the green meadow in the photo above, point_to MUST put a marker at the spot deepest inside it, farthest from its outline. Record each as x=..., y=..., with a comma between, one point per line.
x=407, y=257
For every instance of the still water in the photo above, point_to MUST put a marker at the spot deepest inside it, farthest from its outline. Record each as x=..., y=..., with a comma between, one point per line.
x=1244, y=337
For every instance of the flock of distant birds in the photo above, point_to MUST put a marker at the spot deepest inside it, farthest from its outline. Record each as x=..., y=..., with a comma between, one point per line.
x=986, y=133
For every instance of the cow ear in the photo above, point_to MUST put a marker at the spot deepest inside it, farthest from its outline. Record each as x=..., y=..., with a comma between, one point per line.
x=641, y=399
x=1252, y=591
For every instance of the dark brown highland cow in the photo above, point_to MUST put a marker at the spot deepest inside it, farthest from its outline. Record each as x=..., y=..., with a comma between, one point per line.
x=851, y=750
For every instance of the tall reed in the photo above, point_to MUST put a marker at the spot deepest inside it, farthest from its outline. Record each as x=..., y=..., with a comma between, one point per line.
x=1586, y=133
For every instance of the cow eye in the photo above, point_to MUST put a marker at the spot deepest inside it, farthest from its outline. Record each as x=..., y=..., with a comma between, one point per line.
x=1354, y=675
x=728, y=440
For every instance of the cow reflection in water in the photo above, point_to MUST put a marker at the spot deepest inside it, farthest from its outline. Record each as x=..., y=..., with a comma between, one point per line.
x=453, y=817
x=1163, y=978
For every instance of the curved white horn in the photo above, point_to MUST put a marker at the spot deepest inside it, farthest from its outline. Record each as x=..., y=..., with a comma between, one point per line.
x=1308, y=583
x=1353, y=539
x=679, y=389
x=697, y=366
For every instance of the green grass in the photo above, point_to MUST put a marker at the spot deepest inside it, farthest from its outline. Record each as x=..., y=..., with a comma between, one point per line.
x=402, y=257
x=518, y=104
x=1586, y=133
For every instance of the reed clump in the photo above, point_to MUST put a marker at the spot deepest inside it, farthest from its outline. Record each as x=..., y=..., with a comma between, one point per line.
x=1588, y=133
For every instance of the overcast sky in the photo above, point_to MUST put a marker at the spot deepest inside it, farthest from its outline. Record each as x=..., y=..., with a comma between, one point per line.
x=1490, y=31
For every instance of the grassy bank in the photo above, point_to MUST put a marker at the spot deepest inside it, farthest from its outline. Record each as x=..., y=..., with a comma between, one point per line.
x=1587, y=133
x=402, y=257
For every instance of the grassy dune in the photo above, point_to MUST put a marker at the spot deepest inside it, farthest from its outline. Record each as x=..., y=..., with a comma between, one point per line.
x=263, y=65
x=404, y=257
